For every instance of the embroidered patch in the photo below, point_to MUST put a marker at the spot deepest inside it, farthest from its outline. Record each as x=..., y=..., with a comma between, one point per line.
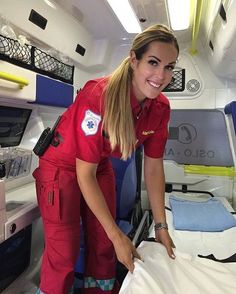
x=90, y=123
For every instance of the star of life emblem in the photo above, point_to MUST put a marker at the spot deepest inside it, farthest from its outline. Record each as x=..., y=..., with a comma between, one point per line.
x=90, y=123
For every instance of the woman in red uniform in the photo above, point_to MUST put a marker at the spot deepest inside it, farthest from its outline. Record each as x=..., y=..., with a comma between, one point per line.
x=111, y=115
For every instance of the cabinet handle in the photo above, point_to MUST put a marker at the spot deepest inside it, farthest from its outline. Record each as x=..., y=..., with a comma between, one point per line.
x=15, y=79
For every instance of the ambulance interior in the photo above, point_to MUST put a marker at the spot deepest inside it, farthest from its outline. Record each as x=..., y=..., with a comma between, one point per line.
x=48, y=50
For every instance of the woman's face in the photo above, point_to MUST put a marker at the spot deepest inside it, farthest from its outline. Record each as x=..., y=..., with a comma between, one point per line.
x=153, y=72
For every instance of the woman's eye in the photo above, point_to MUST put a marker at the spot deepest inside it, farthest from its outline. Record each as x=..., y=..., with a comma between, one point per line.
x=170, y=67
x=153, y=62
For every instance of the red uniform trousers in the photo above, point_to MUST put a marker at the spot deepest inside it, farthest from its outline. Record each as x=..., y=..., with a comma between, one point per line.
x=59, y=199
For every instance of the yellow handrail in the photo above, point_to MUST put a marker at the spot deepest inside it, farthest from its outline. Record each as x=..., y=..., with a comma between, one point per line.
x=15, y=79
x=196, y=25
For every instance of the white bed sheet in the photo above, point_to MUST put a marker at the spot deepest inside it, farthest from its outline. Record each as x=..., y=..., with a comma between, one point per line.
x=188, y=273
x=159, y=274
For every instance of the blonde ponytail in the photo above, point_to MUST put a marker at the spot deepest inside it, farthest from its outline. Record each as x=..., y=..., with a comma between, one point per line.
x=118, y=118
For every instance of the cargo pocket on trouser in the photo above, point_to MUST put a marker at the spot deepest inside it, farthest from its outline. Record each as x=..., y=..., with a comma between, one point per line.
x=50, y=202
x=62, y=236
x=48, y=195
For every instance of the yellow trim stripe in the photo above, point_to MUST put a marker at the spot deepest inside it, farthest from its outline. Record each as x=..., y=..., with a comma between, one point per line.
x=210, y=170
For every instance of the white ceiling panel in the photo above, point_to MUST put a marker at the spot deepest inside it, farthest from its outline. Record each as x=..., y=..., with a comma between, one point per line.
x=98, y=18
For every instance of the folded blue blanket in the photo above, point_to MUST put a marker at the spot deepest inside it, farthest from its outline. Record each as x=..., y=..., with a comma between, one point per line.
x=206, y=216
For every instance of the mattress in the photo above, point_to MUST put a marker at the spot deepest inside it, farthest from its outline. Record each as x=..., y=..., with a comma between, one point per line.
x=205, y=263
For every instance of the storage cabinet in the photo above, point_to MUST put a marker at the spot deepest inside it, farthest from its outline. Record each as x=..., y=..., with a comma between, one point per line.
x=13, y=87
x=52, y=92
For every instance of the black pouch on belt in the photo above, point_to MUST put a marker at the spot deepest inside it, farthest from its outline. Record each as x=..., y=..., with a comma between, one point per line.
x=45, y=139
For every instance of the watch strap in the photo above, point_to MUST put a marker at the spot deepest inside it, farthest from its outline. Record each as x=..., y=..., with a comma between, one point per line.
x=160, y=226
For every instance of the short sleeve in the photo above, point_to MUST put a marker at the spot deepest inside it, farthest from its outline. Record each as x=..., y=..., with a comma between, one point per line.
x=88, y=135
x=81, y=130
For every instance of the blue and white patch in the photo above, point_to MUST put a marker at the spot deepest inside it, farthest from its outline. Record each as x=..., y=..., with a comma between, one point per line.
x=90, y=123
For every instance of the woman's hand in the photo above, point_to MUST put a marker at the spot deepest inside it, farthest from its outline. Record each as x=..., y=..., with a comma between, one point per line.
x=125, y=251
x=163, y=237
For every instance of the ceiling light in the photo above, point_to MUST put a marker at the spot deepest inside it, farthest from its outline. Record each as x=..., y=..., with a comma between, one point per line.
x=179, y=14
x=126, y=15
x=49, y=3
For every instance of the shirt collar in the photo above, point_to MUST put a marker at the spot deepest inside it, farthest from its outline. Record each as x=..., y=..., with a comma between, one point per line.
x=136, y=106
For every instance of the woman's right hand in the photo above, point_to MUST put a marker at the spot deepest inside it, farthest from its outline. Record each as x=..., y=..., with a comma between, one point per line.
x=125, y=251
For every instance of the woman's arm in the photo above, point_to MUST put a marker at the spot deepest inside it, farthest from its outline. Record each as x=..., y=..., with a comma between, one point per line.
x=86, y=176
x=155, y=184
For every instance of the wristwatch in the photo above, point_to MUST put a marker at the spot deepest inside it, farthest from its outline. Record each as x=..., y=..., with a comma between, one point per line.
x=160, y=226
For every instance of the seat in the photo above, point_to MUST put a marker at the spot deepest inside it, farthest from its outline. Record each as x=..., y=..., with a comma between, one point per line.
x=230, y=114
x=126, y=191
x=230, y=109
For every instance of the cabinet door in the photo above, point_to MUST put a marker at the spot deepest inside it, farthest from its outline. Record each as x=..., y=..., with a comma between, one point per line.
x=17, y=82
x=53, y=92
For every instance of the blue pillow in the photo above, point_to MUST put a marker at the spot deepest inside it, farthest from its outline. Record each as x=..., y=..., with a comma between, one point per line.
x=205, y=216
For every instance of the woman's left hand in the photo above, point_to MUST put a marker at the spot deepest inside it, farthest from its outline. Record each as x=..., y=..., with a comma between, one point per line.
x=163, y=237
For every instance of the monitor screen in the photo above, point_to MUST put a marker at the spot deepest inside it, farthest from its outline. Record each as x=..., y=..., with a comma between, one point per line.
x=13, y=121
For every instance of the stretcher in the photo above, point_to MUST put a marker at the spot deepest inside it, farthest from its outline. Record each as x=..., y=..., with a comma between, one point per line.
x=205, y=261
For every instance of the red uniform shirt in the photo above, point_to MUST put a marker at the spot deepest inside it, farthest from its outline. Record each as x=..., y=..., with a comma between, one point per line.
x=81, y=133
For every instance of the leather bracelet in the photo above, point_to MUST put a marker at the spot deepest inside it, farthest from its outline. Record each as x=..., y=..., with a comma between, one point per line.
x=160, y=226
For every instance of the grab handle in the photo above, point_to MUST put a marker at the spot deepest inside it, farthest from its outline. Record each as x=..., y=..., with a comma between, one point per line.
x=15, y=79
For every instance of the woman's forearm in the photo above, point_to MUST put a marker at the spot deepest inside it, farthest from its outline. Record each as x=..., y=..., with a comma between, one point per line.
x=156, y=198
x=155, y=185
